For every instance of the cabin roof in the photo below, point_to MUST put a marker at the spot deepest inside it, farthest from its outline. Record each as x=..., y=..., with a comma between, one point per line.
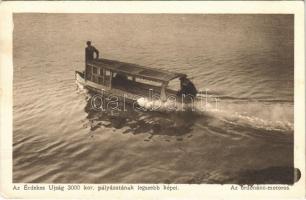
x=136, y=70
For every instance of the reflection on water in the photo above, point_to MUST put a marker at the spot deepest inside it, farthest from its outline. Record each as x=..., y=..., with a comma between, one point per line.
x=181, y=125
x=136, y=121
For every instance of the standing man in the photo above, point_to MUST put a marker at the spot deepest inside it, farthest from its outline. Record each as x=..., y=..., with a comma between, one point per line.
x=89, y=52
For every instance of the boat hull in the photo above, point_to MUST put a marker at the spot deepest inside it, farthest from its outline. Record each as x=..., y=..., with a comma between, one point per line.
x=135, y=99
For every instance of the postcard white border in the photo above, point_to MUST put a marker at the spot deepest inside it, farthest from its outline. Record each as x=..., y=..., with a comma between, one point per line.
x=220, y=7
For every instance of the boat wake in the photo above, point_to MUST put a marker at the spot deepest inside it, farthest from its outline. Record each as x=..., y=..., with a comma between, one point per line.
x=267, y=115
x=259, y=115
x=271, y=118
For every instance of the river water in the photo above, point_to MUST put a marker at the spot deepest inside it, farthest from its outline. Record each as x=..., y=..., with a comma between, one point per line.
x=246, y=61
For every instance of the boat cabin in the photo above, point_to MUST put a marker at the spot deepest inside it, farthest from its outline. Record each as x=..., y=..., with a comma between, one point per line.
x=130, y=78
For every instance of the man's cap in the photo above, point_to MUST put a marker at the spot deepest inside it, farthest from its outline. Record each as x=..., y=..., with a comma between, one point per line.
x=183, y=78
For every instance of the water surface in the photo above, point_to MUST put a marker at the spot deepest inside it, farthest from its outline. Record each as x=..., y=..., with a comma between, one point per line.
x=244, y=60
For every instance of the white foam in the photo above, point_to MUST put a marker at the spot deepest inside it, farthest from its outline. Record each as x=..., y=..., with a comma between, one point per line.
x=158, y=105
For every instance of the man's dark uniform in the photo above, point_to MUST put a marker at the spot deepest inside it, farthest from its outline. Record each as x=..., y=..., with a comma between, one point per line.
x=187, y=88
x=89, y=53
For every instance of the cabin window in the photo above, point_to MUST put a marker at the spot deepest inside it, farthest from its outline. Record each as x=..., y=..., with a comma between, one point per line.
x=131, y=78
x=100, y=80
x=94, y=79
x=94, y=70
x=148, y=82
x=107, y=73
x=104, y=77
x=175, y=84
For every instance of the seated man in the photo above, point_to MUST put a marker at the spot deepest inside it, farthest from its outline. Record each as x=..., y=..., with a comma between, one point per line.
x=89, y=52
x=187, y=88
